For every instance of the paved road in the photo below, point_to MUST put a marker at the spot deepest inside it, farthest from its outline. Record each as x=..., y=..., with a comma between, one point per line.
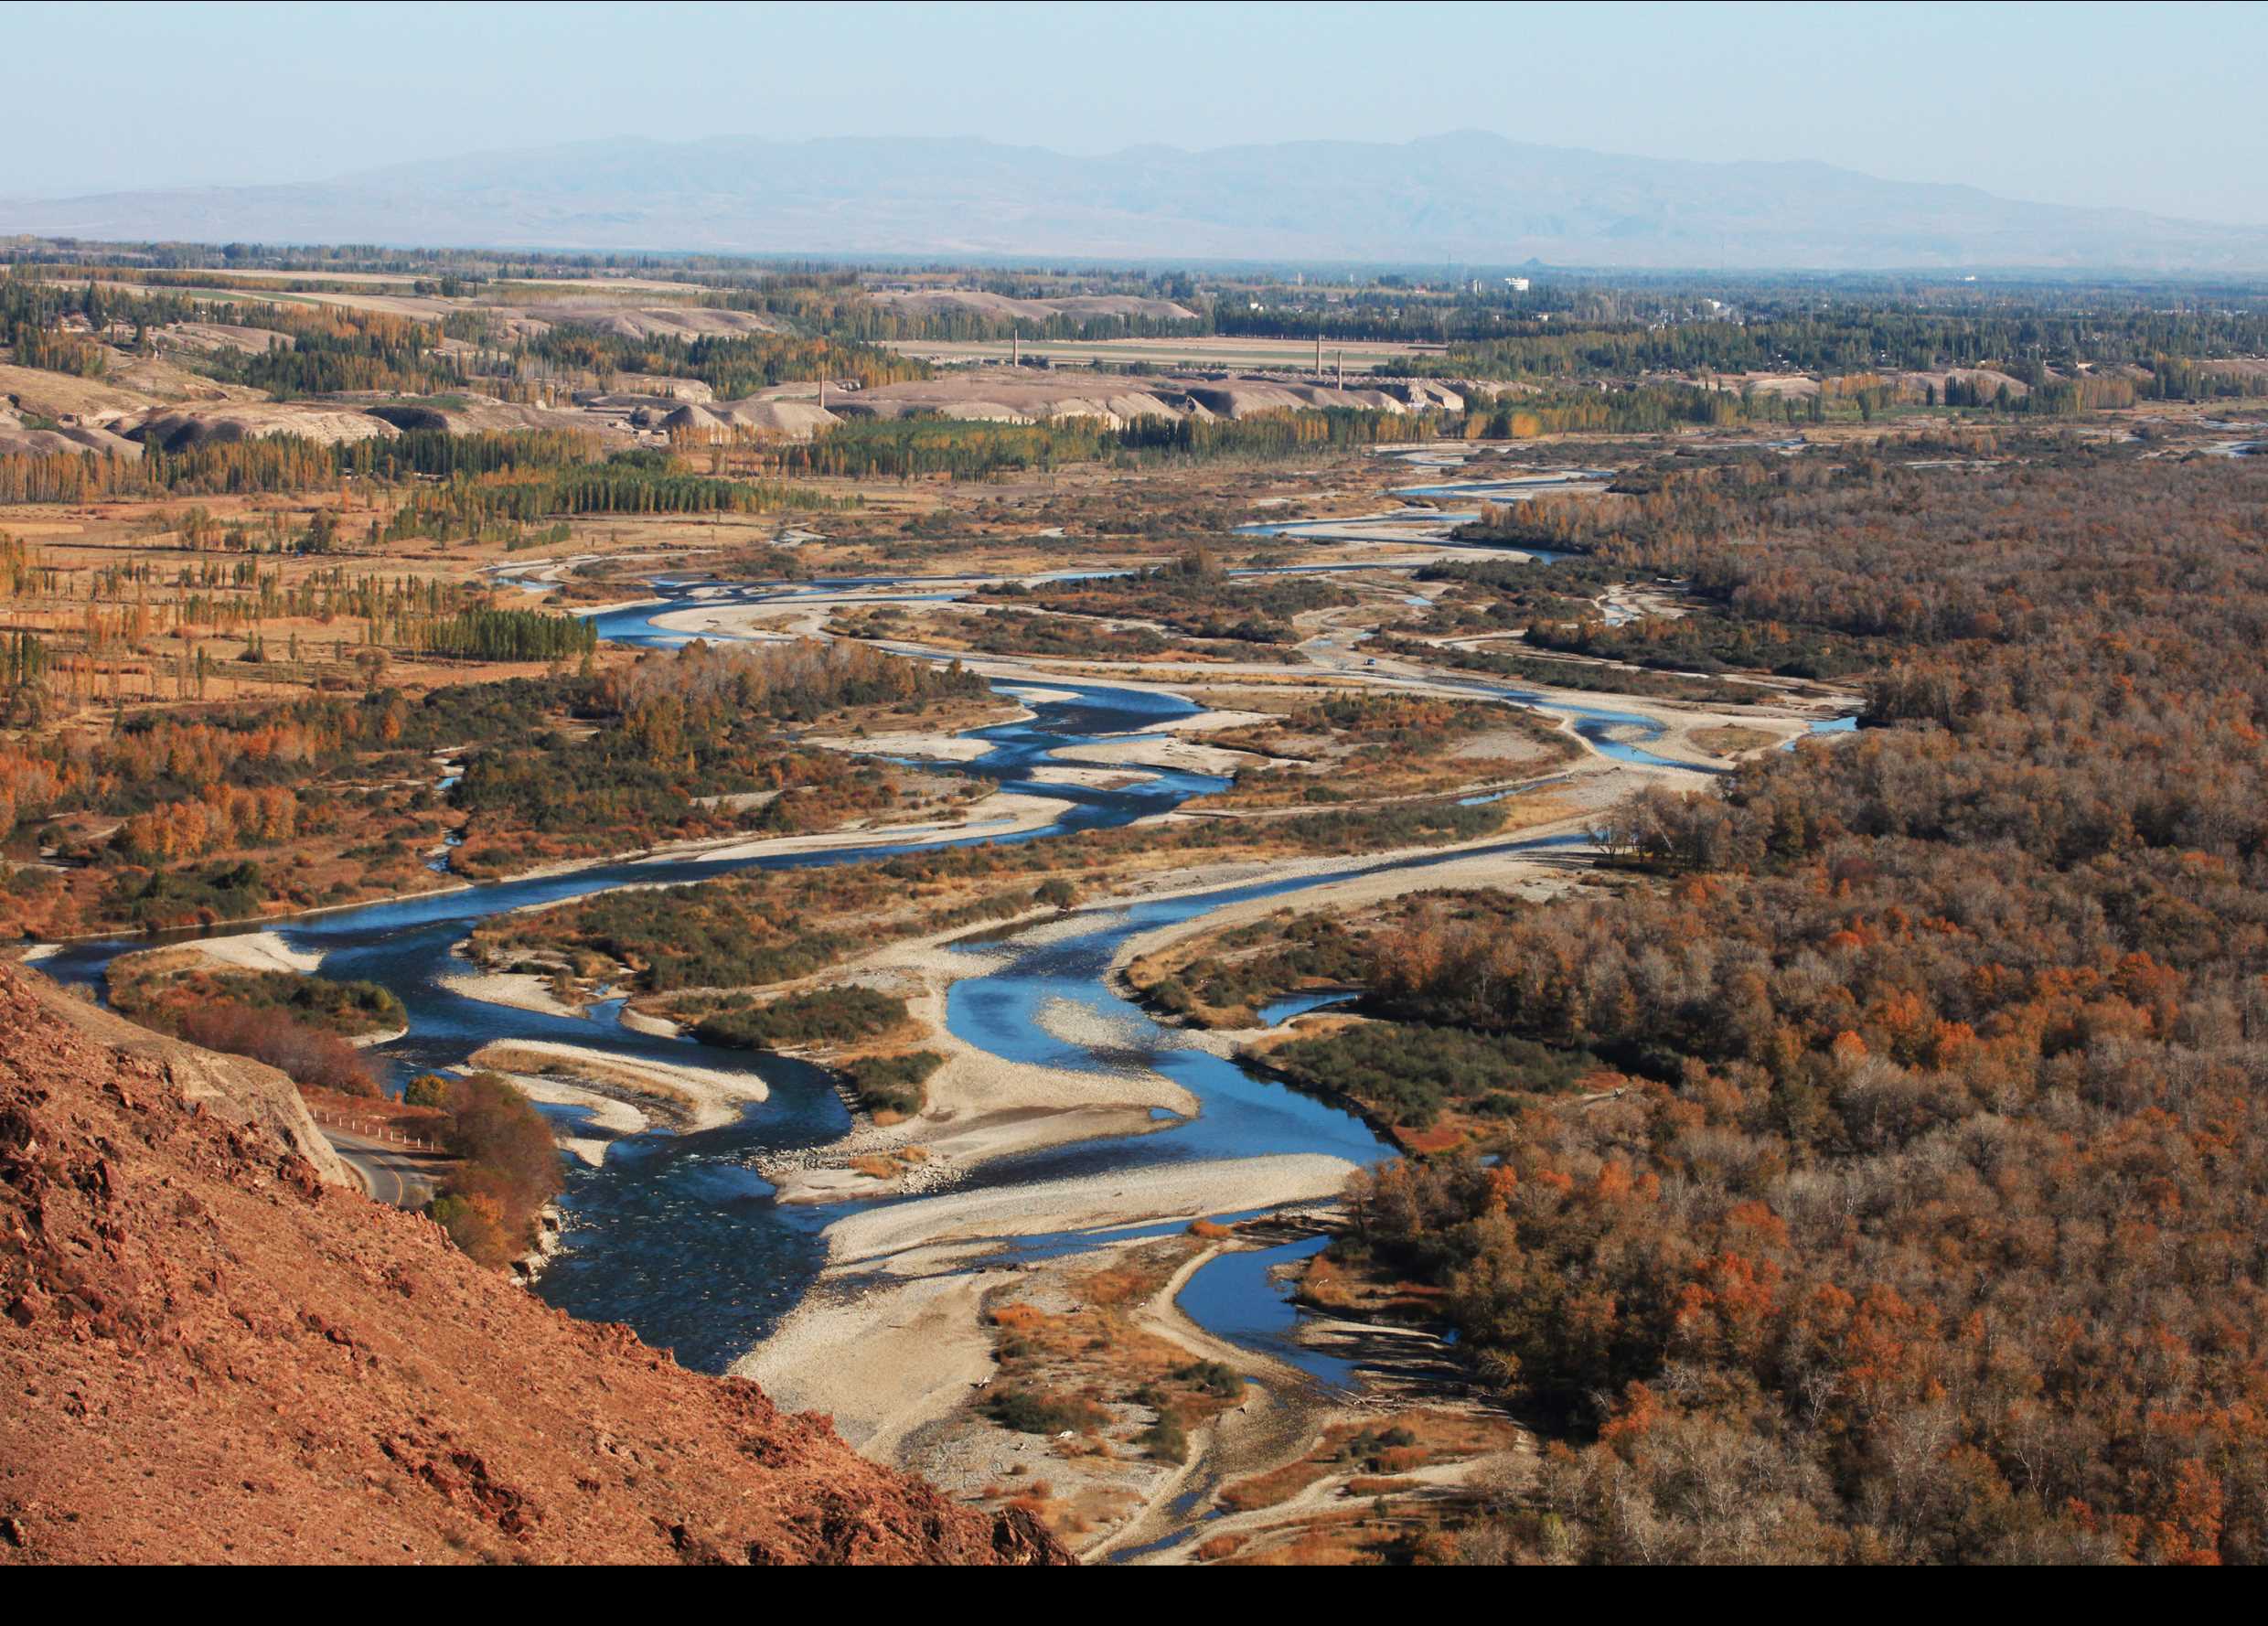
x=389, y=1173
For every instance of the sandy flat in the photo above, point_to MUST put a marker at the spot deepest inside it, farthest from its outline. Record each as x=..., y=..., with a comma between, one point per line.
x=709, y=1096
x=638, y=1022
x=1158, y=751
x=738, y=622
x=1179, y=1190
x=1205, y=723
x=521, y=990
x=1534, y=875
x=983, y=1106
x=930, y=744
x=386, y=1036
x=1003, y=813
x=258, y=951
x=1077, y=1022
x=1094, y=778
x=878, y=1359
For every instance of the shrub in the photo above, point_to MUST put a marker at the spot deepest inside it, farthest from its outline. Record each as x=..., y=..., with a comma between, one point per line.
x=892, y=1083
x=1407, y=1072
x=477, y=1227
x=824, y=1016
x=1165, y=1440
x=309, y=1055
x=507, y=1168
x=427, y=1090
x=1030, y=1411
x=1214, y=1377
x=157, y=991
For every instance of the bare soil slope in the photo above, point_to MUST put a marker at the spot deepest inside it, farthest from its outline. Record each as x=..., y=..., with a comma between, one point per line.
x=923, y=300
x=650, y=321
x=210, y=1355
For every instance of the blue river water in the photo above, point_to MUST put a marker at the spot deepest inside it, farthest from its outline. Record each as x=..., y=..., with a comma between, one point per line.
x=1236, y=1296
x=677, y=1234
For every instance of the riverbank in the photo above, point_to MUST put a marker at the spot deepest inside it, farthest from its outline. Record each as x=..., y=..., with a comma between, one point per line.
x=888, y=1327
x=982, y=1106
x=979, y=1107
x=521, y=990
x=896, y=1346
x=1067, y=1374
x=258, y=951
x=696, y=1098
x=1002, y=813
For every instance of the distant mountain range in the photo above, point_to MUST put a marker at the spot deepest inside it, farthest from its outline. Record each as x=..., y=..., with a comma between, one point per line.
x=1472, y=199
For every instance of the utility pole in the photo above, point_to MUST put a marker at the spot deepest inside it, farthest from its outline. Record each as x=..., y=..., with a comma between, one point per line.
x=1319, y=354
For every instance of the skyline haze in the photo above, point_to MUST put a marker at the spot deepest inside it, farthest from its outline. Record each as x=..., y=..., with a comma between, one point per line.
x=2082, y=105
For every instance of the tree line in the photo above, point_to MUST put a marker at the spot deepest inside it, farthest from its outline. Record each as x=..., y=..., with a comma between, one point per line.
x=1923, y=1226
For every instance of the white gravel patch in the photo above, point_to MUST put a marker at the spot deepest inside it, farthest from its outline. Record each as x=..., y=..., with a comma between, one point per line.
x=1184, y=1189
x=1077, y=1023
x=258, y=951
x=712, y=1096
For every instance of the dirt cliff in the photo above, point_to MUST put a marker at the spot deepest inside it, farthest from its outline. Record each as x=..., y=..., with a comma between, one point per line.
x=237, y=1087
x=209, y=1355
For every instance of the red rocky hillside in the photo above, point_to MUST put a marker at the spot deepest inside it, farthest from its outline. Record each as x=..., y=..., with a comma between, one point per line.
x=209, y=1354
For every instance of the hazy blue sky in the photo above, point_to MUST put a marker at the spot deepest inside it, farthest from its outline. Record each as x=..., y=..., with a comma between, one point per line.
x=2150, y=106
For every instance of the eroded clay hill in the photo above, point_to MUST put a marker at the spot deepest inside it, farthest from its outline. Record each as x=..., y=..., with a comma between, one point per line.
x=209, y=1354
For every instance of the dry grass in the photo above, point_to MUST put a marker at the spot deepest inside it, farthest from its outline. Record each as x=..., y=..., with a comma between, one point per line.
x=503, y=1056
x=1379, y=1452
x=1732, y=740
x=1277, y=1486
x=1441, y=1137
x=1373, y=1485
x=1118, y=1284
x=1334, y=1543
x=1350, y=1288
x=1096, y=1354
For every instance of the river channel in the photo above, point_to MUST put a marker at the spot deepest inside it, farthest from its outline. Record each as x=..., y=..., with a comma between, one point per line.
x=677, y=1234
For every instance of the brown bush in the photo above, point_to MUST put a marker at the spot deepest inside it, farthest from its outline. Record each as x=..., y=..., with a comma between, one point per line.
x=1367, y=1484
x=310, y=1055
x=507, y=1168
